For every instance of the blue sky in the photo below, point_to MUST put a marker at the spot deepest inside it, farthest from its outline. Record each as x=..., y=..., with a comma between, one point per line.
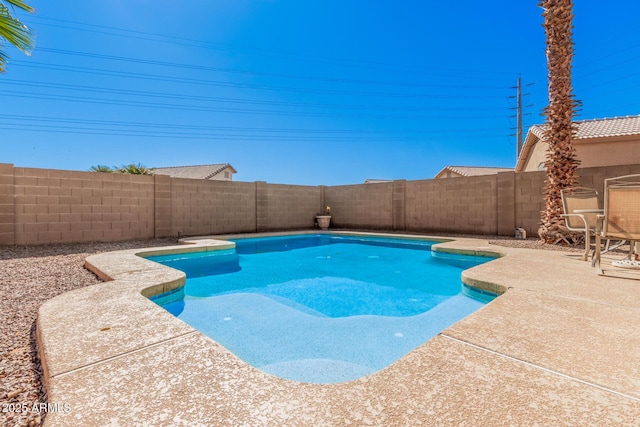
x=300, y=92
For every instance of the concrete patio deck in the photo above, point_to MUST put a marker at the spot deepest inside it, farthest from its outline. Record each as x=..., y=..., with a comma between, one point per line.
x=561, y=346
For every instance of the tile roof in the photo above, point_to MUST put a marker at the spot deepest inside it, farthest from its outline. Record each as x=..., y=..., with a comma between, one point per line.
x=474, y=170
x=194, y=172
x=616, y=126
x=600, y=128
x=376, y=181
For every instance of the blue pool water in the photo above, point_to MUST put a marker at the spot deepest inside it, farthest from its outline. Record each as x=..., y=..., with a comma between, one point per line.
x=322, y=308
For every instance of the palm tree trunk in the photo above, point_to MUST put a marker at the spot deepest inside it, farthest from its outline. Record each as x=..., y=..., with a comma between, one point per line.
x=561, y=162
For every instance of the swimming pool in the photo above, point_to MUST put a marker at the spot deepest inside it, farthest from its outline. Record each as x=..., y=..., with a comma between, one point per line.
x=322, y=308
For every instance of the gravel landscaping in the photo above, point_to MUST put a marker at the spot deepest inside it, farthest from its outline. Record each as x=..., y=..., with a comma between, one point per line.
x=31, y=275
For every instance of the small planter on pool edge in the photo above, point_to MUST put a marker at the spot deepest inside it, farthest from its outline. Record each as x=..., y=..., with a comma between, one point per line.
x=324, y=220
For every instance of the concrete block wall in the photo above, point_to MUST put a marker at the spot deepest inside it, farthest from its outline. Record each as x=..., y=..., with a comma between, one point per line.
x=361, y=205
x=528, y=201
x=54, y=206
x=288, y=206
x=398, y=207
x=506, y=209
x=162, y=205
x=200, y=207
x=7, y=205
x=460, y=205
x=594, y=177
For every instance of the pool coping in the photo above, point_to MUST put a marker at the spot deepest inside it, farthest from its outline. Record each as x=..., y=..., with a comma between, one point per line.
x=531, y=348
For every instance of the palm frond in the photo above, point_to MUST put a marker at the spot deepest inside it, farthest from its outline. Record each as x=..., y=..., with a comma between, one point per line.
x=20, y=4
x=101, y=168
x=135, y=169
x=14, y=31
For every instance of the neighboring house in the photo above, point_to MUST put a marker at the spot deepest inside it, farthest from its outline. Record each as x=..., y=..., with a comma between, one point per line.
x=598, y=142
x=215, y=172
x=457, y=171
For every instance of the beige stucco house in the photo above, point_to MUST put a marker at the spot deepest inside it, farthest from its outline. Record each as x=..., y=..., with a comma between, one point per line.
x=214, y=172
x=598, y=142
x=457, y=171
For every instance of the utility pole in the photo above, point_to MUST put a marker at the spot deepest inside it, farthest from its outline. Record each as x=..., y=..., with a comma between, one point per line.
x=519, y=117
x=519, y=107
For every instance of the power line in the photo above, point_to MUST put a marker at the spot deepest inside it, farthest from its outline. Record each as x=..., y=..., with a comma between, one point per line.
x=184, y=107
x=126, y=97
x=160, y=78
x=608, y=67
x=255, y=73
x=59, y=120
x=35, y=127
x=346, y=62
x=183, y=41
x=131, y=92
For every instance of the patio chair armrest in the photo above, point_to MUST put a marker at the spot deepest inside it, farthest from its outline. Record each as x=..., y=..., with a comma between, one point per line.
x=584, y=220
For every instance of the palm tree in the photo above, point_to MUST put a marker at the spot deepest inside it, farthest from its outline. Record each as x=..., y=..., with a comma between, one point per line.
x=134, y=169
x=561, y=162
x=12, y=30
x=100, y=168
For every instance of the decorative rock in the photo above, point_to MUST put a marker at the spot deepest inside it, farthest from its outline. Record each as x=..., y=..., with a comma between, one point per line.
x=14, y=394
